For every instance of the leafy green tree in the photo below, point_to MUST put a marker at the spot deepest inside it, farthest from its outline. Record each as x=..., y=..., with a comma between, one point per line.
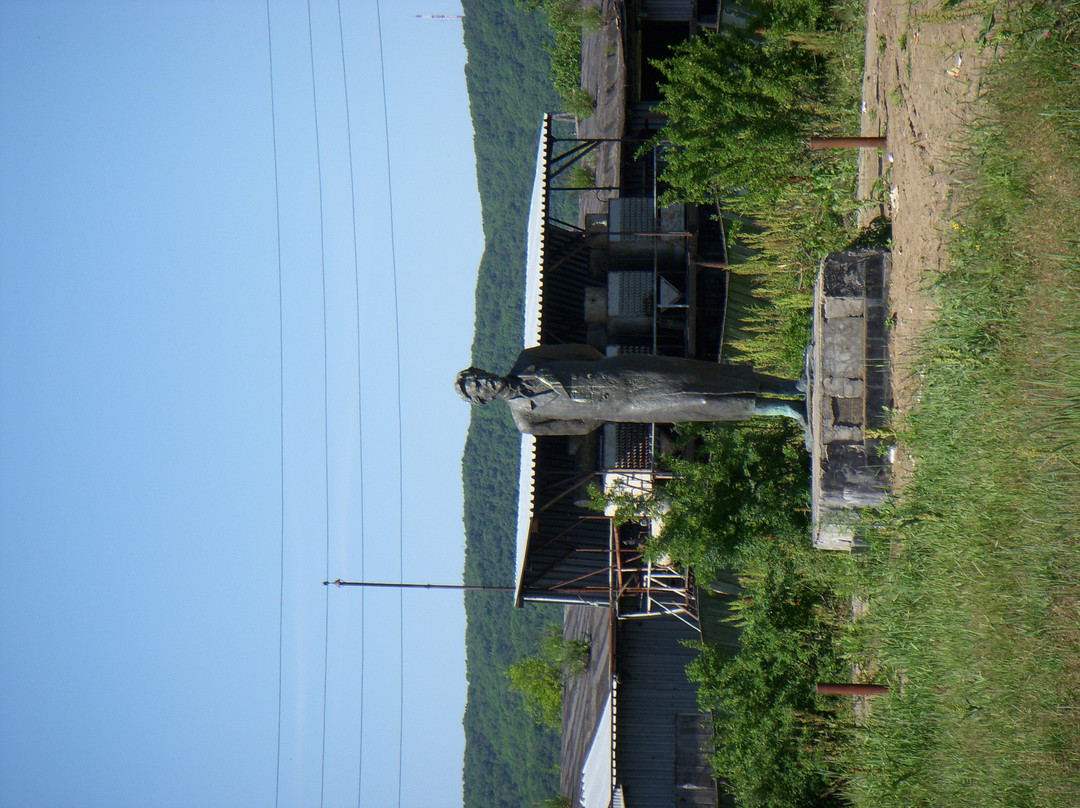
x=745, y=483
x=737, y=108
x=740, y=106
x=540, y=678
x=540, y=685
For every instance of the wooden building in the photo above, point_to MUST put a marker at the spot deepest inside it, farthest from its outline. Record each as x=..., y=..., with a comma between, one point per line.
x=610, y=266
x=636, y=278
x=633, y=734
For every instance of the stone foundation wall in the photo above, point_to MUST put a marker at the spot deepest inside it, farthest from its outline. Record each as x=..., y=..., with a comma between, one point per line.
x=848, y=393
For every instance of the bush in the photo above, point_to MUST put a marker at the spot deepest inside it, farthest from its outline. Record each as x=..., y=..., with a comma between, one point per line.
x=568, y=19
x=746, y=482
x=540, y=685
x=540, y=678
x=736, y=111
x=739, y=109
x=744, y=505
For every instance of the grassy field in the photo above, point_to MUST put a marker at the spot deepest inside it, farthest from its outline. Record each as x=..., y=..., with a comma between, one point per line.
x=973, y=579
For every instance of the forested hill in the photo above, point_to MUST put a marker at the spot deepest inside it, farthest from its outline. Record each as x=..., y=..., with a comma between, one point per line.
x=510, y=762
x=509, y=91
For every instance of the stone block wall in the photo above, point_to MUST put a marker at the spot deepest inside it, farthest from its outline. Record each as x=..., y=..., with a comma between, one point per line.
x=847, y=393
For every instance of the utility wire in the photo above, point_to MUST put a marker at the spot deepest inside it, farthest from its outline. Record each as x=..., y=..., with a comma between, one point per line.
x=281, y=374
x=281, y=405
x=359, y=396
x=326, y=397
x=401, y=453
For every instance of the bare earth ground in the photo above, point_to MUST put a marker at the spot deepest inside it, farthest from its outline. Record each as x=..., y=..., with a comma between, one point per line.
x=922, y=85
x=921, y=88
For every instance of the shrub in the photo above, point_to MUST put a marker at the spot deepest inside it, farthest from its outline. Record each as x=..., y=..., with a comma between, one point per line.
x=540, y=685
x=568, y=19
x=736, y=110
x=739, y=109
x=743, y=504
x=540, y=678
x=745, y=482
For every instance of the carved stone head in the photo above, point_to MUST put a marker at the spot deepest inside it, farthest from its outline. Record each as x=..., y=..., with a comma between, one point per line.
x=478, y=386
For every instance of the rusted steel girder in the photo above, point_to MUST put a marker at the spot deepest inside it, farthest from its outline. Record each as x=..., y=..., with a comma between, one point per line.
x=850, y=689
x=847, y=143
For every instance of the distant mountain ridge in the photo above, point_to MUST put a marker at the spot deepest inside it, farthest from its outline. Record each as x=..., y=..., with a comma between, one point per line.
x=510, y=762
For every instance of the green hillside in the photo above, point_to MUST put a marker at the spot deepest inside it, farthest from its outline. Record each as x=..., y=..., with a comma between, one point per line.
x=509, y=761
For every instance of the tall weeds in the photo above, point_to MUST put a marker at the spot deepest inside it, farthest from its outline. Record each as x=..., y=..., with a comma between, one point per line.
x=740, y=107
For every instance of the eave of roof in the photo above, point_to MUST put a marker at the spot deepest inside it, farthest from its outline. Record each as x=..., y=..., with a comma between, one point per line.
x=534, y=256
x=534, y=252
x=597, y=775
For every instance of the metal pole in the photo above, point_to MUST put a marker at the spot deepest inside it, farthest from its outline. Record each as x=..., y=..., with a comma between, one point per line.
x=460, y=587
x=850, y=689
x=587, y=188
x=847, y=143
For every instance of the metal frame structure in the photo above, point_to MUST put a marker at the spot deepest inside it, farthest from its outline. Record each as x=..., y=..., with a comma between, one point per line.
x=567, y=552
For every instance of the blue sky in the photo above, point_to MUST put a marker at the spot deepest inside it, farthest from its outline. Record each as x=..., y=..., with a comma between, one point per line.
x=140, y=401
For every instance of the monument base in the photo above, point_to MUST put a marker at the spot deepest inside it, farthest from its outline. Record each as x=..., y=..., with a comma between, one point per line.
x=847, y=394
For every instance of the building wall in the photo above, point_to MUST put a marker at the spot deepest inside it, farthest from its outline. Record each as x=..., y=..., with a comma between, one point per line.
x=654, y=698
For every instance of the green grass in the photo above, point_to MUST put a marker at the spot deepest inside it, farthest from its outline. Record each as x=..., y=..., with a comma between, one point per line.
x=973, y=578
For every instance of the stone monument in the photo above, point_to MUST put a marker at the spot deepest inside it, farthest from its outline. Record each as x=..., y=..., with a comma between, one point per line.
x=573, y=389
x=848, y=394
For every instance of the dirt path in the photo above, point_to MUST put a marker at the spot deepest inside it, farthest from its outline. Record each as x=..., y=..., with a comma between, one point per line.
x=921, y=88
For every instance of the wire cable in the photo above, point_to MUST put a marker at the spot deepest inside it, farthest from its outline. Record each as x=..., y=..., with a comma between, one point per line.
x=281, y=405
x=401, y=453
x=359, y=394
x=326, y=398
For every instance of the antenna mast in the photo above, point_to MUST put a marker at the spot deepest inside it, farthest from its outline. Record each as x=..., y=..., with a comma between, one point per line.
x=460, y=587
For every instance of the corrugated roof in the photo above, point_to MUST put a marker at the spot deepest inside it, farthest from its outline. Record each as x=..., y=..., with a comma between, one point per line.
x=534, y=253
x=526, y=481
x=534, y=257
x=557, y=274
x=597, y=774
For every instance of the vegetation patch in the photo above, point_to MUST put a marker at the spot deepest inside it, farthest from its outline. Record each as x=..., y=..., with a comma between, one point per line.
x=740, y=106
x=971, y=580
x=539, y=679
x=743, y=503
x=568, y=20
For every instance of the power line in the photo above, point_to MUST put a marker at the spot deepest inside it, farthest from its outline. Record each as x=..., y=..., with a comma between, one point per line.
x=359, y=397
x=281, y=405
x=389, y=585
x=326, y=406
x=401, y=453
x=397, y=333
